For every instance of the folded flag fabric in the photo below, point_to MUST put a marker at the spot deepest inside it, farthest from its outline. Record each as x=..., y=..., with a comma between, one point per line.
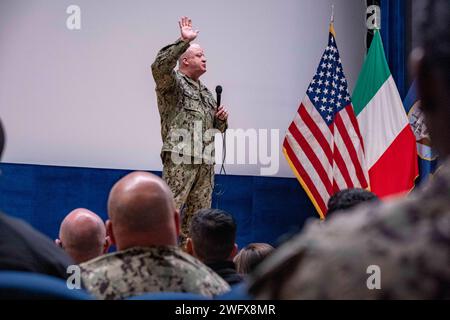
x=390, y=145
x=323, y=144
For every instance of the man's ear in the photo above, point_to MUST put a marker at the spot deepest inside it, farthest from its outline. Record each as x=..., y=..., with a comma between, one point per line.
x=110, y=232
x=58, y=243
x=190, y=247
x=177, y=222
x=107, y=244
x=234, y=252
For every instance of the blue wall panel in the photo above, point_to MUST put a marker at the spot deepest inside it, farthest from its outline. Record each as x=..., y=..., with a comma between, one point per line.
x=265, y=208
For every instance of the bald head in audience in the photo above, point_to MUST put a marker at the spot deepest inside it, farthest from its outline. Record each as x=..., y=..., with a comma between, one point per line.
x=142, y=212
x=83, y=235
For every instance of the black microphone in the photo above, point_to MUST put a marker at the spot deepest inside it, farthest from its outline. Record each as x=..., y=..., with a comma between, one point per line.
x=218, y=94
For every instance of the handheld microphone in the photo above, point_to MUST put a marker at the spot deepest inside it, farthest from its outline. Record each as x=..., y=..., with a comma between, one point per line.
x=218, y=94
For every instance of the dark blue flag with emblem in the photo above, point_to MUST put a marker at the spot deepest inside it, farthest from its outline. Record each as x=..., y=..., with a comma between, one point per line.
x=428, y=159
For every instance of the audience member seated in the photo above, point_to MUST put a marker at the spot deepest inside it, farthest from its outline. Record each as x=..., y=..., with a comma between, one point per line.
x=348, y=198
x=144, y=226
x=394, y=250
x=250, y=256
x=340, y=201
x=213, y=236
x=83, y=235
x=22, y=248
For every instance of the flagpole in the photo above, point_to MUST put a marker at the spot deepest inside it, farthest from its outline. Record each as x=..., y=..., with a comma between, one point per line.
x=332, y=20
x=332, y=14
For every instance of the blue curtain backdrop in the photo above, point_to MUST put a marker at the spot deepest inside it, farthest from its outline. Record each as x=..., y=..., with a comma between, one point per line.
x=393, y=31
x=266, y=209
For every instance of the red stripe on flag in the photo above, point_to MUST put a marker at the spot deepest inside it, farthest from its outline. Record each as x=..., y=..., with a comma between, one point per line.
x=397, y=169
x=317, y=133
x=342, y=166
x=311, y=155
x=335, y=186
x=306, y=178
x=351, y=149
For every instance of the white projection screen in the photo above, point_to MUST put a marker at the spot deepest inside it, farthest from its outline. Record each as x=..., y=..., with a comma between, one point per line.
x=85, y=98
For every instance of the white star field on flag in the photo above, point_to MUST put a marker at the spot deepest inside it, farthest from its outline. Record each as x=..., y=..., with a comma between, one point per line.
x=328, y=90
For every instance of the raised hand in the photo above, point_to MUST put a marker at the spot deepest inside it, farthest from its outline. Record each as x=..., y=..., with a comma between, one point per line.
x=187, y=33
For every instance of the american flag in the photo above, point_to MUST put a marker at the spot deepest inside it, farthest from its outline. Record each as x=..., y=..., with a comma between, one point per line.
x=323, y=144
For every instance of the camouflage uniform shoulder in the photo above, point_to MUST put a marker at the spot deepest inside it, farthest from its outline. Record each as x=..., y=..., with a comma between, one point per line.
x=197, y=274
x=148, y=269
x=164, y=64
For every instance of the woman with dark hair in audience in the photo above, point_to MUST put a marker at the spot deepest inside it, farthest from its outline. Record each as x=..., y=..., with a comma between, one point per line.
x=250, y=256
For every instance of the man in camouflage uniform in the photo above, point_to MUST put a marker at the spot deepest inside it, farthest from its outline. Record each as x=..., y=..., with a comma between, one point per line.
x=144, y=226
x=396, y=250
x=188, y=116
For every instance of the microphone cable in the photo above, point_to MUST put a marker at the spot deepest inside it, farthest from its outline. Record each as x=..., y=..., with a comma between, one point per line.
x=224, y=153
x=220, y=189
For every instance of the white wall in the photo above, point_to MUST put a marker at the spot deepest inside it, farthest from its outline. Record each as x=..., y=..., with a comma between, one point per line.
x=86, y=98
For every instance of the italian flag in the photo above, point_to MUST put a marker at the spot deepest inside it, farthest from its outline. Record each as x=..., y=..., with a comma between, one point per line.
x=389, y=143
